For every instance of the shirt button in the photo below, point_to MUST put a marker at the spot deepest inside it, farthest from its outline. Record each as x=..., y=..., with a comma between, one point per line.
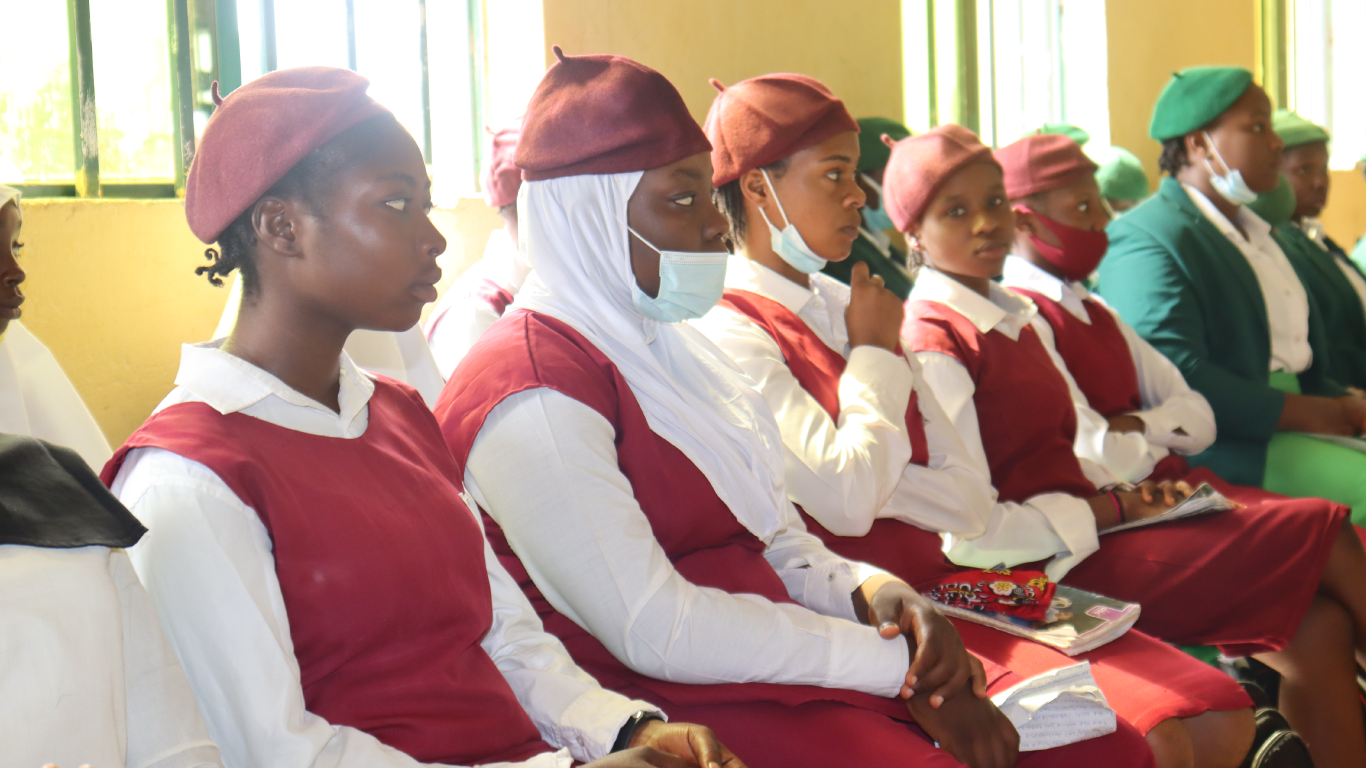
x=343, y=372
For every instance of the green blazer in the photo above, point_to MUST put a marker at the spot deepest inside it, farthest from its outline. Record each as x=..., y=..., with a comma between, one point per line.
x=1343, y=315
x=894, y=274
x=1190, y=292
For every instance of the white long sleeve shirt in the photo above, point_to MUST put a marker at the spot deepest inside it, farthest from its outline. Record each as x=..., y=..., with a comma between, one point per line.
x=839, y=470
x=208, y=564
x=38, y=400
x=951, y=495
x=89, y=678
x=1287, y=302
x=462, y=315
x=1049, y=519
x=545, y=467
x=1175, y=417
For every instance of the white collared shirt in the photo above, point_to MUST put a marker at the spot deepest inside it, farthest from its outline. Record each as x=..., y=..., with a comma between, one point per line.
x=951, y=495
x=38, y=400
x=841, y=471
x=208, y=565
x=544, y=465
x=1287, y=303
x=1175, y=417
x=89, y=678
x=1057, y=519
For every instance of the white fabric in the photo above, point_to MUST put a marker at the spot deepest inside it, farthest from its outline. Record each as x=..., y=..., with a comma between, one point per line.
x=591, y=550
x=1047, y=517
x=1287, y=303
x=573, y=230
x=847, y=467
x=461, y=317
x=1175, y=417
x=38, y=400
x=208, y=565
x=7, y=194
x=87, y=676
x=403, y=356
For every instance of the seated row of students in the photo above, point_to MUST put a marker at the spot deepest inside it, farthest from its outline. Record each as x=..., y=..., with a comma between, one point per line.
x=314, y=564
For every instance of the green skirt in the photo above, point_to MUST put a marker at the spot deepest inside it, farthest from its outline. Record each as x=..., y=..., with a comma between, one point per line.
x=1299, y=464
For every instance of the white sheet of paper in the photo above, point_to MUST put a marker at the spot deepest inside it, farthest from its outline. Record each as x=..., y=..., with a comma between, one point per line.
x=1061, y=706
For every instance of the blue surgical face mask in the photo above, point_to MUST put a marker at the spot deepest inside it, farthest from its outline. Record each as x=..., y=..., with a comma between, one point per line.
x=876, y=219
x=1231, y=187
x=690, y=284
x=788, y=242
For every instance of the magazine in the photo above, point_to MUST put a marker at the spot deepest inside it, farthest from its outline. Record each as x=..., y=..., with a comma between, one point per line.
x=1078, y=621
x=1204, y=501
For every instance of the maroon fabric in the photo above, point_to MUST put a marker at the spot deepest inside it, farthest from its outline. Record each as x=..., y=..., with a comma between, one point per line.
x=1042, y=163
x=1260, y=565
x=1024, y=408
x=381, y=567
x=502, y=177
x=816, y=366
x=764, y=119
x=1096, y=354
x=920, y=165
x=260, y=132
x=705, y=542
x=1145, y=680
x=603, y=114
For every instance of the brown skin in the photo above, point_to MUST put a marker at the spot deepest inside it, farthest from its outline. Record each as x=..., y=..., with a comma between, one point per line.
x=672, y=208
x=820, y=191
x=1120, y=206
x=1306, y=166
x=370, y=262
x=815, y=190
x=11, y=274
x=1245, y=139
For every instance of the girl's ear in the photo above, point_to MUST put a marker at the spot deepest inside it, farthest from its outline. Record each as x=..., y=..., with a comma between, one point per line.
x=1196, y=146
x=275, y=221
x=753, y=187
x=1025, y=221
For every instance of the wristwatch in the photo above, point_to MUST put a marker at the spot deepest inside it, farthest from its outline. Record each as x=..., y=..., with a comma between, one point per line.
x=629, y=729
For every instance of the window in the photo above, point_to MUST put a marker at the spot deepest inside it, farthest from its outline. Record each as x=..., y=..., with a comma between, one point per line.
x=1006, y=67
x=1323, y=56
x=143, y=69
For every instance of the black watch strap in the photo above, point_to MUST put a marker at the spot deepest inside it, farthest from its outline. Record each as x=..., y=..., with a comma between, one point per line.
x=629, y=729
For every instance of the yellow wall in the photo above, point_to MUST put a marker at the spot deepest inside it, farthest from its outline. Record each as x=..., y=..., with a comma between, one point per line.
x=112, y=292
x=853, y=46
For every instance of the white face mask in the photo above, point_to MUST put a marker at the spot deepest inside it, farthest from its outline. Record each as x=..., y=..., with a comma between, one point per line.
x=1231, y=186
x=788, y=242
x=690, y=284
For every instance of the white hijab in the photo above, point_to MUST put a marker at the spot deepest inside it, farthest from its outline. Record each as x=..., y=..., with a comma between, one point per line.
x=573, y=232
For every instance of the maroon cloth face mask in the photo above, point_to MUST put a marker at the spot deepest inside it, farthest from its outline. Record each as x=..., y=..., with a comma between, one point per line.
x=1081, y=249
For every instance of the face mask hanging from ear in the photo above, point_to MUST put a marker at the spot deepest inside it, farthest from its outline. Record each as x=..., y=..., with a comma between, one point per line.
x=788, y=242
x=876, y=219
x=690, y=284
x=1081, y=249
x=1231, y=186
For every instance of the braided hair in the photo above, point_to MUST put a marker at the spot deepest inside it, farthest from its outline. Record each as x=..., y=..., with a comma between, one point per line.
x=306, y=181
x=1173, y=157
x=729, y=198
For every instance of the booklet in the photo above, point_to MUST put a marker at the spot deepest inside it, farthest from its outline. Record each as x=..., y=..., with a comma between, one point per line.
x=1078, y=621
x=1061, y=706
x=1204, y=501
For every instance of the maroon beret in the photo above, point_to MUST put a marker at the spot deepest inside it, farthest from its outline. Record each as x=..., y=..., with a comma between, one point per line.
x=1042, y=163
x=261, y=131
x=921, y=164
x=764, y=119
x=602, y=114
x=502, y=177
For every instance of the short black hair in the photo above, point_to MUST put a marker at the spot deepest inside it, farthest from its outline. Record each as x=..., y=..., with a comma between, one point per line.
x=309, y=181
x=1173, y=157
x=730, y=200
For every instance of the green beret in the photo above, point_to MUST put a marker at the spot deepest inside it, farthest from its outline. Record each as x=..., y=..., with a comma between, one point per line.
x=1195, y=97
x=873, y=154
x=1120, y=174
x=1277, y=206
x=1075, y=133
x=1295, y=130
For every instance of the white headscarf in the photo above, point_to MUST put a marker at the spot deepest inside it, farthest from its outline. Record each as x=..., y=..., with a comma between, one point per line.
x=573, y=232
x=9, y=193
